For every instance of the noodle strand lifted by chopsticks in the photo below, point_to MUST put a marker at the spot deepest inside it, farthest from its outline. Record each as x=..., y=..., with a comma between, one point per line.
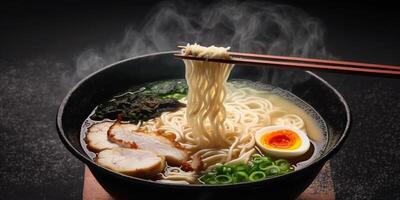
x=205, y=101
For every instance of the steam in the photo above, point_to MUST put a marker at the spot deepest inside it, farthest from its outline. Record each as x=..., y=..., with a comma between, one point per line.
x=244, y=26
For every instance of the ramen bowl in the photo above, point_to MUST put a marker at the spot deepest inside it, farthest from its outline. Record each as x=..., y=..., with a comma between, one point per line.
x=116, y=78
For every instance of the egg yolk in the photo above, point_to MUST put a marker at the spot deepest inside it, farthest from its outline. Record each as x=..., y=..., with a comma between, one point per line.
x=281, y=139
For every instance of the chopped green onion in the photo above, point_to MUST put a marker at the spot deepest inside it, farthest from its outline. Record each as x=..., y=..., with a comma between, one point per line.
x=206, y=178
x=240, y=167
x=212, y=181
x=257, y=160
x=260, y=167
x=253, y=167
x=223, y=179
x=257, y=175
x=263, y=165
x=219, y=169
x=240, y=177
x=283, y=165
x=223, y=170
x=272, y=170
x=227, y=170
x=266, y=158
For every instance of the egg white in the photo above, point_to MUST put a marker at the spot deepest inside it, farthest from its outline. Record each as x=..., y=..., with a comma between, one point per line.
x=283, y=153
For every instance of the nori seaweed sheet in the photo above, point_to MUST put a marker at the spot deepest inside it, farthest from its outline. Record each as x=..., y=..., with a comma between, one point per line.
x=143, y=104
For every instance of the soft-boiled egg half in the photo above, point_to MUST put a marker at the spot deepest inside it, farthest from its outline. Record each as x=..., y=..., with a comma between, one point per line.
x=282, y=141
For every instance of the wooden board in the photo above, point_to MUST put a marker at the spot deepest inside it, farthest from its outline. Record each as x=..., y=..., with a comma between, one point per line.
x=321, y=188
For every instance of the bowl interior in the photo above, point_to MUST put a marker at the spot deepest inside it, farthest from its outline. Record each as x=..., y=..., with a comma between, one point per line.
x=118, y=77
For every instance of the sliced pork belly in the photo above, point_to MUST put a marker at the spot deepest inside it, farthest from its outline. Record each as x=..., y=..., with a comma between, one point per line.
x=132, y=162
x=96, y=138
x=127, y=136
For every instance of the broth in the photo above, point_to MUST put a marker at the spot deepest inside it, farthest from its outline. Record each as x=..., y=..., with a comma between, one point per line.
x=283, y=101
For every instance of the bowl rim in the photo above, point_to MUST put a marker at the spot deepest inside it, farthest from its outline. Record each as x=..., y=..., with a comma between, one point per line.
x=86, y=160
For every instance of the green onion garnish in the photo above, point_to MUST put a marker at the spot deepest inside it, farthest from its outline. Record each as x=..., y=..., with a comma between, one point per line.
x=257, y=175
x=258, y=168
x=223, y=179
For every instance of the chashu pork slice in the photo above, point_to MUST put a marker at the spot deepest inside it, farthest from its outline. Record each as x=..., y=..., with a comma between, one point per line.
x=132, y=162
x=96, y=138
x=127, y=136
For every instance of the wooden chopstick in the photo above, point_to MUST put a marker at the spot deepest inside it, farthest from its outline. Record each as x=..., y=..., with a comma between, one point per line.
x=312, y=60
x=303, y=63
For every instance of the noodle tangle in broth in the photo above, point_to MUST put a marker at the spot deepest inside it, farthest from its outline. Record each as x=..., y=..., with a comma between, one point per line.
x=218, y=125
x=220, y=120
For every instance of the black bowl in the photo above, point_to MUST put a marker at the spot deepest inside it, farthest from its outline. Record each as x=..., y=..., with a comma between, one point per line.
x=105, y=83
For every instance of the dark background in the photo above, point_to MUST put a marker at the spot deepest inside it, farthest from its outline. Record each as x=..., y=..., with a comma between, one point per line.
x=39, y=43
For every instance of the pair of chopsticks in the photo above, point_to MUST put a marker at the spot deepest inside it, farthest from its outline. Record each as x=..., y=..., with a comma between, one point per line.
x=300, y=63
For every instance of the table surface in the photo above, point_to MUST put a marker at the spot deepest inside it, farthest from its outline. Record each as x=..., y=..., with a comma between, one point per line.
x=40, y=43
